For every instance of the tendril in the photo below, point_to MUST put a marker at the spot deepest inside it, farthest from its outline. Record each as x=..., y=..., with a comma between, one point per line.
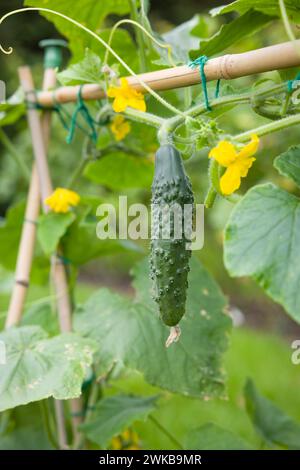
x=104, y=44
x=153, y=39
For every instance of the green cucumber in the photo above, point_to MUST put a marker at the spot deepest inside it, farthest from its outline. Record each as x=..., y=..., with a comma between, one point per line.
x=169, y=260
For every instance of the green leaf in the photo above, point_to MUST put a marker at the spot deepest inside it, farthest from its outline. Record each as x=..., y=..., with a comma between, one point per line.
x=212, y=437
x=12, y=109
x=182, y=41
x=41, y=314
x=81, y=244
x=10, y=231
x=288, y=164
x=262, y=240
x=270, y=7
x=231, y=33
x=87, y=12
x=25, y=430
x=121, y=171
x=51, y=227
x=114, y=414
x=131, y=333
x=88, y=70
x=37, y=367
x=273, y=424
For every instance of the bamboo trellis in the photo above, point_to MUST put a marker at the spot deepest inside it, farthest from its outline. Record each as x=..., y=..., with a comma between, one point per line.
x=279, y=56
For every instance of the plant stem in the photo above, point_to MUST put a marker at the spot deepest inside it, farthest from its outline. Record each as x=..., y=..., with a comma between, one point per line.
x=166, y=432
x=93, y=397
x=81, y=165
x=46, y=420
x=4, y=421
x=286, y=22
x=210, y=197
x=285, y=105
x=14, y=153
x=269, y=128
x=139, y=36
x=145, y=118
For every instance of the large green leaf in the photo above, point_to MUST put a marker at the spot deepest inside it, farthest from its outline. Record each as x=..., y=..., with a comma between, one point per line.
x=90, y=13
x=51, y=227
x=25, y=430
x=232, y=32
x=288, y=164
x=213, y=437
x=88, y=70
x=113, y=414
x=272, y=423
x=37, y=367
x=270, y=7
x=43, y=315
x=262, y=240
x=121, y=171
x=130, y=332
x=81, y=244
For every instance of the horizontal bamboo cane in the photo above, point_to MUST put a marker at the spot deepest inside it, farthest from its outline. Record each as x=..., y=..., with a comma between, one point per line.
x=280, y=56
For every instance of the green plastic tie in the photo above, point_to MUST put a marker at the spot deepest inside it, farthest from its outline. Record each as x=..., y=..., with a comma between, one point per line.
x=200, y=62
x=83, y=110
x=217, y=91
x=290, y=83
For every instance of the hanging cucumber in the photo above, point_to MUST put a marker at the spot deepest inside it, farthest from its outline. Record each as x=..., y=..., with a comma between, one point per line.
x=169, y=261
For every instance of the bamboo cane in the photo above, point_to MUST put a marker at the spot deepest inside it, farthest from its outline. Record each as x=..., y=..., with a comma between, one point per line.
x=279, y=56
x=28, y=236
x=59, y=274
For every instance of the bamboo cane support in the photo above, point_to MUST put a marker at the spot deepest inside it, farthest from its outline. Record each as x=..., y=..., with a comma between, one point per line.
x=28, y=236
x=59, y=273
x=279, y=56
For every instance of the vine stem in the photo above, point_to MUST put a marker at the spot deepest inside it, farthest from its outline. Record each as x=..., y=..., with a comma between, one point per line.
x=139, y=37
x=103, y=43
x=269, y=128
x=45, y=414
x=14, y=153
x=286, y=22
x=140, y=27
x=166, y=432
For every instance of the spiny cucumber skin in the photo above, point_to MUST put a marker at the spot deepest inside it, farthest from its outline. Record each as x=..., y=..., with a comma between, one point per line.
x=169, y=260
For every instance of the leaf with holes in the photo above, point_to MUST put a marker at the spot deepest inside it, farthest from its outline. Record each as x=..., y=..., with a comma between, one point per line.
x=38, y=367
x=131, y=333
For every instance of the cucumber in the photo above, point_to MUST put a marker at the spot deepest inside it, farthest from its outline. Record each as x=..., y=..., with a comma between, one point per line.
x=169, y=259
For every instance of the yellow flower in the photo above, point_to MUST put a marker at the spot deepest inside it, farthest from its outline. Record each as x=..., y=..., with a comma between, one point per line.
x=119, y=127
x=62, y=199
x=128, y=440
x=124, y=95
x=237, y=163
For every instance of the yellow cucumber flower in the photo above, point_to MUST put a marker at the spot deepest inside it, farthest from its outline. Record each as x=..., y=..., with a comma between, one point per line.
x=61, y=200
x=236, y=162
x=124, y=95
x=119, y=127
